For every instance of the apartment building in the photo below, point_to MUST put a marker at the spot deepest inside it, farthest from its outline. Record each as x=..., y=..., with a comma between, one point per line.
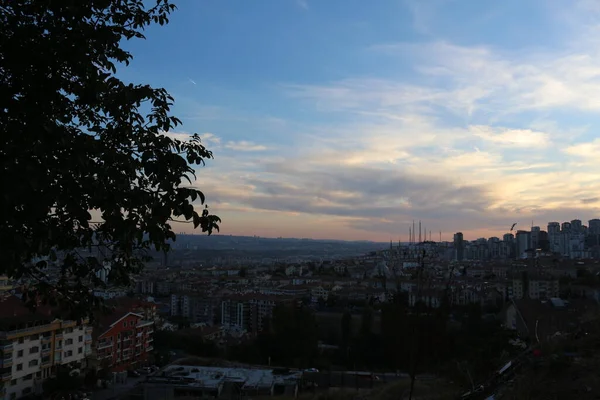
x=249, y=312
x=124, y=342
x=535, y=287
x=34, y=345
x=196, y=307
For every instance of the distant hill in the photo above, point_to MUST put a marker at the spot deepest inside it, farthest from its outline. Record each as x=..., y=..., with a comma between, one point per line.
x=208, y=247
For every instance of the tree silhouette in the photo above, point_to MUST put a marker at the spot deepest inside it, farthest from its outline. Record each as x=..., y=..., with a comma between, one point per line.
x=76, y=141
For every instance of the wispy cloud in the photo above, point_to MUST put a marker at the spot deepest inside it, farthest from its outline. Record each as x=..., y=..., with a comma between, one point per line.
x=244, y=146
x=302, y=3
x=469, y=133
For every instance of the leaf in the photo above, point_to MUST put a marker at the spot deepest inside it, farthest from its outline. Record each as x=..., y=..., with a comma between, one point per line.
x=82, y=144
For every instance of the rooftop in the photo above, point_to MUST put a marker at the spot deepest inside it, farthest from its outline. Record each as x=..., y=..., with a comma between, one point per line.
x=215, y=377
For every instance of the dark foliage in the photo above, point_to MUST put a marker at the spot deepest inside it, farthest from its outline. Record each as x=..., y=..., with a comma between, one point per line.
x=74, y=138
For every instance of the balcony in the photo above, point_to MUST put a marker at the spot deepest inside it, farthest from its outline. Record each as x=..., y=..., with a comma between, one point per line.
x=58, y=336
x=88, y=338
x=30, y=330
x=150, y=339
x=6, y=363
x=149, y=348
x=69, y=324
x=6, y=376
x=47, y=362
x=46, y=339
x=104, y=345
x=150, y=331
x=6, y=346
x=47, y=350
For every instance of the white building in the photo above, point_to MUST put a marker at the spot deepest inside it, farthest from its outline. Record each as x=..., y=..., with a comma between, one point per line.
x=35, y=345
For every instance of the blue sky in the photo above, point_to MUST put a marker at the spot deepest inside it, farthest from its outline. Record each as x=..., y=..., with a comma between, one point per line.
x=350, y=118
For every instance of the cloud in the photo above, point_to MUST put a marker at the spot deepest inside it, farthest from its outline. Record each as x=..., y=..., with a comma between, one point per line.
x=511, y=137
x=589, y=150
x=353, y=192
x=501, y=81
x=302, y=3
x=206, y=138
x=463, y=137
x=244, y=146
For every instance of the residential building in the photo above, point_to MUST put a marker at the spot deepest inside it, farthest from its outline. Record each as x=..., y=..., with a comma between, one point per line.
x=235, y=312
x=535, y=237
x=33, y=345
x=535, y=287
x=249, y=312
x=124, y=341
x=523, y=243
x=196, y=307
x=594, y=227
x=459, y=246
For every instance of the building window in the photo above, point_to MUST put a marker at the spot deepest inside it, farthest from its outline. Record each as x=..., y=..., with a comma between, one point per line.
x=21, y=340
x=20, y=353
x=13, y=382
x=28, y=377
x=69, y=341
x=131, y=323
x=34, y=337
x=34, y=349
x=80, y=339
x=33, y=363
x=13, y=396
x=125, y=324
x=26, y=391
x=80, y=350
x=19, y=367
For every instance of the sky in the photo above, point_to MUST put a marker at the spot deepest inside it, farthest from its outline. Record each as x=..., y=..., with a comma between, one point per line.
x=349, y=119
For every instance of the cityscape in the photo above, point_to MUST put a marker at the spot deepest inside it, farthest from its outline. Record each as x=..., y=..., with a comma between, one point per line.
x=186, y=307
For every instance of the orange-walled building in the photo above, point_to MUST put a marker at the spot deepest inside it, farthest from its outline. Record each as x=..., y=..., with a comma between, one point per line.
x=124, y=342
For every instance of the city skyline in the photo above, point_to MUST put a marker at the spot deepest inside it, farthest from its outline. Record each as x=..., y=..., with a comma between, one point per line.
x=345, y=120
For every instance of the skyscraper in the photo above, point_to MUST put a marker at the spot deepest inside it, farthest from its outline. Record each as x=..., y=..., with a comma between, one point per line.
x=594, y=226
x=576, y=226
x=523, y=240
x=459, y=248
x=535, y=237
x=554, y=236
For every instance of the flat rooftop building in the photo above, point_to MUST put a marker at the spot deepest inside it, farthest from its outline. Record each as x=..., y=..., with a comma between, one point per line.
x=181, y=381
